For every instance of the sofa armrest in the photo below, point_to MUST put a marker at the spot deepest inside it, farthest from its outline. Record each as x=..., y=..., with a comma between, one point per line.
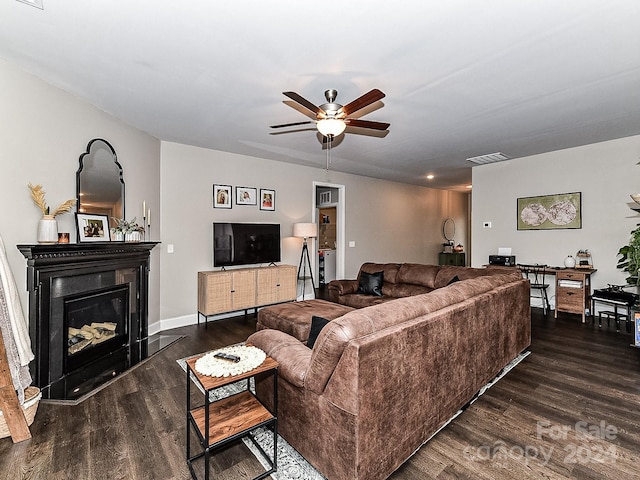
x=343, y=287
x=292, y=355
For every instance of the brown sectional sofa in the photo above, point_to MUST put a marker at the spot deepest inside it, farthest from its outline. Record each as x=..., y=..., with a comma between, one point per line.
x=381, y=380
x=400, y=280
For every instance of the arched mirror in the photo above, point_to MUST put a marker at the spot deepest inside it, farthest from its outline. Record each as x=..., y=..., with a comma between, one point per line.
x=449, y=229
x=99, y=182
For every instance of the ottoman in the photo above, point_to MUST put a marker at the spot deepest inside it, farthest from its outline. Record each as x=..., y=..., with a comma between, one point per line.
x=294, y=318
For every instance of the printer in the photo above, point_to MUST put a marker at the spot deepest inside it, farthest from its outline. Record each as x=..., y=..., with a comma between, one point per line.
x=504, y=260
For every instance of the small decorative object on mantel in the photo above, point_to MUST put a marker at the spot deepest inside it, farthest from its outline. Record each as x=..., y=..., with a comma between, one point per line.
x=127, y=231
x=48, y=226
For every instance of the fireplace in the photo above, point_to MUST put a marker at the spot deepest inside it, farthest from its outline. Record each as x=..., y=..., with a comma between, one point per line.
x=87, y=313
x=96, y=324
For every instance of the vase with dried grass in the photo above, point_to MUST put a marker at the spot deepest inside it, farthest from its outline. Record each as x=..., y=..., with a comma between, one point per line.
x=48, y=225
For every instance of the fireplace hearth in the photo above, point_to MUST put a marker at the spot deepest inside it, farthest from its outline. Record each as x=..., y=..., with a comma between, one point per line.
x=87, y=313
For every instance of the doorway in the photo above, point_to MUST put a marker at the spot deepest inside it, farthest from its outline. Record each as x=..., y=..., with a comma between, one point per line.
x=329, y=208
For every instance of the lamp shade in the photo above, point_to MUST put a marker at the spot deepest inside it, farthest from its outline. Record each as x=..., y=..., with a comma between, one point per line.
x=331, y=126
x=305, y=230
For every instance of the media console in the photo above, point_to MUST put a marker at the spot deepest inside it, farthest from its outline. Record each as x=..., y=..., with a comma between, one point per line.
x=225, y=291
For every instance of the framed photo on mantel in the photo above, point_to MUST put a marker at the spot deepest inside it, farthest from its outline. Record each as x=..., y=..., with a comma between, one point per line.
x=93, y=228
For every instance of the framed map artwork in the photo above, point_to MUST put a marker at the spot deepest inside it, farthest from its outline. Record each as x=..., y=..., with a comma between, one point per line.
x=550, y=212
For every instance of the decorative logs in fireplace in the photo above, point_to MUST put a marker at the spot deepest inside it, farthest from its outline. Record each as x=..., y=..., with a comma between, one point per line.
x=87, y=313
x=88, y=335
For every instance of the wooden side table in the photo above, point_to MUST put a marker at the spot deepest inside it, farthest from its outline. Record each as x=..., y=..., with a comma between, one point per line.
x=217, y=423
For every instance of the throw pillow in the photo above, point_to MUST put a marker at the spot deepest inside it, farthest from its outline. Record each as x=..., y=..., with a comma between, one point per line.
x=317, y=324
x=371, y=283
x=453, y=280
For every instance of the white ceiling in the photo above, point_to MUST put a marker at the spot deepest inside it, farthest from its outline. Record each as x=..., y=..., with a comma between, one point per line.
x=462, y=78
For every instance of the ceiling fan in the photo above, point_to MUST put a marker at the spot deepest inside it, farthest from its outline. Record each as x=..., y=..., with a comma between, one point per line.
x=332, y=118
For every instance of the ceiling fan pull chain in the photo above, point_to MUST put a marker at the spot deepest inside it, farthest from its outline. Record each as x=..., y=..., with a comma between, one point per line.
x=328, y=151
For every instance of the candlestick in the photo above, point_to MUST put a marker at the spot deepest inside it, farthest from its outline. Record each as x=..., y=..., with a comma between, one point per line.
x=149, y=217
x=144, y=207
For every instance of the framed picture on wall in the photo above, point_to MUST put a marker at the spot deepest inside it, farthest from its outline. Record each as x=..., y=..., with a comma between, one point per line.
x=550, y=212
x=246, y=196
x=222, y=196
x=267, y=199
x=92, y=227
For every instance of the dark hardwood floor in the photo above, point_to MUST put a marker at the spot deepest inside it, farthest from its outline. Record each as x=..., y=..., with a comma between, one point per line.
x=569, y=410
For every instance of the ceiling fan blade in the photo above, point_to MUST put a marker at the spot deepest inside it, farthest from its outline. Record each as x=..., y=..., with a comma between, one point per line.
x=290, y=124
x=361, y=102
x=304, y=102
x=296, y=130
x=356, y=122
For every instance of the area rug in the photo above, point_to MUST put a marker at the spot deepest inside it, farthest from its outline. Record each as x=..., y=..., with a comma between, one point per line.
x=292, y=465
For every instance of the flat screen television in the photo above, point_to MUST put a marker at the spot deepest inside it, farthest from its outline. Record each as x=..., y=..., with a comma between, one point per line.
x=245, y=243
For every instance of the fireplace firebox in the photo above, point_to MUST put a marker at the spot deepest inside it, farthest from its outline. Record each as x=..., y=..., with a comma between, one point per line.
x=87, y=313
x=96, y=323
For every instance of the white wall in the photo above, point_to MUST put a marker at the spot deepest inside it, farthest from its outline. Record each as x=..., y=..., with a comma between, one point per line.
x=44, y=132
x=606, y=173
x=390, y=222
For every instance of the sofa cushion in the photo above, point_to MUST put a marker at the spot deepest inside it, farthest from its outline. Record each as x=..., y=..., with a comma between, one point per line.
x=417, y=274
x=390, y=270
x=294, y=318
x=400, y=290
x=317, y=324
x=447, y=272
x=360, y=300
x=371, y=283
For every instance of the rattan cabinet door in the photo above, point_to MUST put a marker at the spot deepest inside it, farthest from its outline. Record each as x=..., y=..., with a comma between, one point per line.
x=267, y=281
x=214, y=292
x=243, y=289
x=286, y=288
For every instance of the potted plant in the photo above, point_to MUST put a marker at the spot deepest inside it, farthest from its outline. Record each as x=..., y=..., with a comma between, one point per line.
x=630, y=258
x=128, y=231
x=48, y=226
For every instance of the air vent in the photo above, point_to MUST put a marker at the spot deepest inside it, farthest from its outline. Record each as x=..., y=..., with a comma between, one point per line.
x=490, y=158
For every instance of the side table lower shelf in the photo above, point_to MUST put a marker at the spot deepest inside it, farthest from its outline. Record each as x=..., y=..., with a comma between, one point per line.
x=220, y=422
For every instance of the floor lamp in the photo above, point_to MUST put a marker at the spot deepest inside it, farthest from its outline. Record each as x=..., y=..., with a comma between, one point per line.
x=305, y=230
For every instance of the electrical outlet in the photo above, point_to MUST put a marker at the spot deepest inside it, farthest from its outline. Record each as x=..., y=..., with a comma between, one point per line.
x=170, y=248
x=352, y=243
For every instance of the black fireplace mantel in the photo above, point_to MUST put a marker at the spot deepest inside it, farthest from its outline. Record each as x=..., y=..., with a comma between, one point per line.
x=55, y=253
x=56, y=272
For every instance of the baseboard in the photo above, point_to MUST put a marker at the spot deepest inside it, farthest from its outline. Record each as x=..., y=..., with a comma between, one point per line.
x=185, y=320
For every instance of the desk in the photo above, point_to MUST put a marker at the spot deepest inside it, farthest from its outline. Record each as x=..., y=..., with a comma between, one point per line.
x=573, y=290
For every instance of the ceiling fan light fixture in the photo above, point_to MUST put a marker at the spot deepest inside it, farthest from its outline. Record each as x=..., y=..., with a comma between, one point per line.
x=331, y=126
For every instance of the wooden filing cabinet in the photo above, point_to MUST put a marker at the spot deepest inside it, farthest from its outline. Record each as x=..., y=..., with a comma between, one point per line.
x=573, y=291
